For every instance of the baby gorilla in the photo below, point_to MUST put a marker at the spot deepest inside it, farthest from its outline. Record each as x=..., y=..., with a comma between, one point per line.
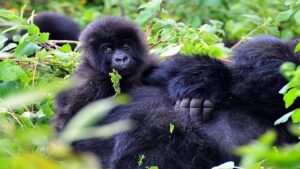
x=108, y=43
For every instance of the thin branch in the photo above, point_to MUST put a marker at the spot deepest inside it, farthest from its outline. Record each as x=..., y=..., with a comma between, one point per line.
x=157, y=43
x=245, y=38
x=63, y=41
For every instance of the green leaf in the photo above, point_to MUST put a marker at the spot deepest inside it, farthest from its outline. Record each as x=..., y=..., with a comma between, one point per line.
x=8, y=87
x=115, y=78
x=297, y=48
x=274, y=30
x=44, y=37
x=66, y=48
x=33, y=30
x=26, y=48
x=8, y=14
x=11, y=72
x=172, y=127
x=297, y=17
x=47, y=109
x=287, y=69
x=141, y=159
x=16, y=38
x=283, y=16
x=290, y=97
x=152, y=167
x=296, y=116
x=284, y=118
x=145, y=16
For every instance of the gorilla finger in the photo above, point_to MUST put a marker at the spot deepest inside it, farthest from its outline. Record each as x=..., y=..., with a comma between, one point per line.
x=185, y=103
x=196, y=103
x=208, y=103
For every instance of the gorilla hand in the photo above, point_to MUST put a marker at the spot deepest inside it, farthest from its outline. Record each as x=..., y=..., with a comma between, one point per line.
x=194, y=84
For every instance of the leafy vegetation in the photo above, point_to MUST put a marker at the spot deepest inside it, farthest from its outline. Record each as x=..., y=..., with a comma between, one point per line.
x=33, y=68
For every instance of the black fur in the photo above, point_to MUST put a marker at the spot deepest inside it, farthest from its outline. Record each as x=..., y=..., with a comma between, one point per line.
x=95, y=65
x=94, y=71
x=246, y=93
x=59, y=26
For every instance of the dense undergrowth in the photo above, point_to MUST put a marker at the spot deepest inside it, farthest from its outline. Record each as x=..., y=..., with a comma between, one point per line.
x=33, y=69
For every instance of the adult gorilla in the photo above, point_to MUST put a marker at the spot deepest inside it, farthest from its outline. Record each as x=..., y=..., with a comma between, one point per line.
x=245, y=96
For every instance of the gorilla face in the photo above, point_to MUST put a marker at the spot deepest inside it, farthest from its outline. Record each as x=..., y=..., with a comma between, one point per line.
x=114, y=43
x=120, y=54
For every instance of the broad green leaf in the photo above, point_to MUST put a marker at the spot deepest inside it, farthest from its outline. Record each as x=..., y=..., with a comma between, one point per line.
x=16, y=38
x=33, y=30
x=11, y=72
x=297, y=17
x=26, y=48
x=290, y=97
x=283, y=16
x=287, y=69
x=144, y=16
x=171, y=128
x=297, y=48
x=9, y=87
x=274, y=30
x=296, y=116
x=66, y=48
x=153, y=167
x=8, y=14
x=44, y=37
x=47, y=109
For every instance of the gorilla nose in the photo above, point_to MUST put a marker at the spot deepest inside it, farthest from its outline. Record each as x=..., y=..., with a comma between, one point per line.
x=121, y=60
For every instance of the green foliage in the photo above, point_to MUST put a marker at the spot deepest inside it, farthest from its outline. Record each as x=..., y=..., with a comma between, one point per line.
x=171, y=128
x=141, y=159
x=115, y=78
x=33, y=68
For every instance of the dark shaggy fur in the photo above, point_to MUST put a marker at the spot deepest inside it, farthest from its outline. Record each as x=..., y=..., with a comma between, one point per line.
x=246, y=99
x=128, y=53
x=59, y=26
x=96, y=64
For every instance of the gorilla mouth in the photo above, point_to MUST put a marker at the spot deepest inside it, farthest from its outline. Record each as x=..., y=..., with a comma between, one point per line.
x=124, y=71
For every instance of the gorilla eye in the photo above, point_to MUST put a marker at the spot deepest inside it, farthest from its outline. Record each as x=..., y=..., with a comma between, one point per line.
x=108, y=50
x=126, y=46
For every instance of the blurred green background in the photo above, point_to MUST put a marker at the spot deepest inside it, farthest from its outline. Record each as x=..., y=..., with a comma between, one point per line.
x=28, y=84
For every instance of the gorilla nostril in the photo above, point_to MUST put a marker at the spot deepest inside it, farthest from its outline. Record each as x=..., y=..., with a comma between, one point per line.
x=125, y=59
x=121, y=60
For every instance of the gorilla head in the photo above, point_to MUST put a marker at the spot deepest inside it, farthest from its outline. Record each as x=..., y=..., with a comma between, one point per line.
x=114, y=43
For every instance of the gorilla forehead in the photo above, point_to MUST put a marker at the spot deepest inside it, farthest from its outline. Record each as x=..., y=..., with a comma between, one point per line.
x=111, y=28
